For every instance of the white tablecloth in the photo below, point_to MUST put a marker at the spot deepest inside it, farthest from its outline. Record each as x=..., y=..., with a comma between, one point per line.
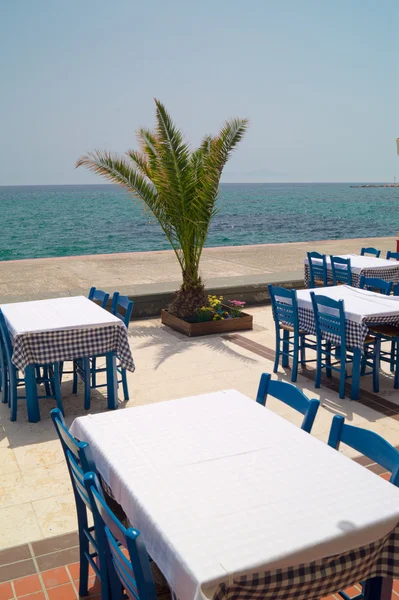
x=59, y=329
x=359, y=263
x=358, y=304
x=219, y=486
x=55, y=314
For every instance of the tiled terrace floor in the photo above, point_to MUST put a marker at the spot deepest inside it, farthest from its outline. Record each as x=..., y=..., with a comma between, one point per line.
x=36, y=500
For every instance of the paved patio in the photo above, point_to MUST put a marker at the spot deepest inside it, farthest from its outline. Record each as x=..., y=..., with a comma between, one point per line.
x=35, y=493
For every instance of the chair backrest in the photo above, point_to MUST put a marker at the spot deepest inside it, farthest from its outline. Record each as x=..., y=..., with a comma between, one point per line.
x=396, y=290
x=341, y=270
x=122, y=307
x=135, y=574
x=291, y=395
x=329, y=316
x=317, y=268
x=368, y=443
x=5, y=335
x=374, y=284
x=372, y=251
x=80, y=450
x=99, y=296
x=284, y=306
x=394, y=255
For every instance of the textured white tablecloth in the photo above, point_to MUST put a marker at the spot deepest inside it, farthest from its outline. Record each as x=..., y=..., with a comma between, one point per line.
x=358, y=304
x=358, y=263
x=219, y=486
x=54, y=314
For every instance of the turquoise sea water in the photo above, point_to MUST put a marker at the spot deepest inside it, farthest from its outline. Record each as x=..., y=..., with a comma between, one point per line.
x=43, y=221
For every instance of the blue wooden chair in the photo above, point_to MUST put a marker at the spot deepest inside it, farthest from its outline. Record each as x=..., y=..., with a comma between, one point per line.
x=290, y=395
x=371, y=445
x=330, y=325
x=99, y=297
x=317, y=270
x=128, y=562
x=374, y=284
x=87, y=369
x=12, y=380
x=389, y=333
x=3, y=373
x=341, y=270
x=394, y=255
x=372, y=251
x=79, y=460
x=294, y=341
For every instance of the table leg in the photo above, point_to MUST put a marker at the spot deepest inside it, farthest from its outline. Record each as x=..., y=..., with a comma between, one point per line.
x=356, y=374
x=112, y=384
x=32, y=401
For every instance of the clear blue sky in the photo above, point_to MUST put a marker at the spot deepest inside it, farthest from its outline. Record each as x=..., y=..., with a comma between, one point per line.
x=317, y=79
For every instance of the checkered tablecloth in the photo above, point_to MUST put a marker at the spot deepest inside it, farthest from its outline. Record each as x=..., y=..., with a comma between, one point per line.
x=387, y=274
x=356, y=332
x=62, y=345
x=320, y=578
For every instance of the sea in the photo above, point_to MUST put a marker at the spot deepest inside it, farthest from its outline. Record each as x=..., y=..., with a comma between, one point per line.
x=65, y=220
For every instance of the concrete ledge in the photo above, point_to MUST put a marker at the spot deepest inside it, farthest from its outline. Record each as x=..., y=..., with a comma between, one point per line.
x=150, y=299
x=252, y=289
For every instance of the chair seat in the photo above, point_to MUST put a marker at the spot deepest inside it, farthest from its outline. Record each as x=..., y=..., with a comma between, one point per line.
x=370, y=339
x=291, y=329
x=386, y=330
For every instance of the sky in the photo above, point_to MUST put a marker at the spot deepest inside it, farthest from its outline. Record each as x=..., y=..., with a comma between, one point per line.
x=319, y=81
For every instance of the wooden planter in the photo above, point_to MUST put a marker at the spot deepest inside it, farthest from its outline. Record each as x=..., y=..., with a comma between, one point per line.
x=207, y=327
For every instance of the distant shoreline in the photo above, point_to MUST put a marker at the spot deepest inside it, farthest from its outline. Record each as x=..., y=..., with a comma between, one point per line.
x=370, y=185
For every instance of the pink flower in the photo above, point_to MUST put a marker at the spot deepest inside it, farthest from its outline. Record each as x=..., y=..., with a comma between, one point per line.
x=237, y=303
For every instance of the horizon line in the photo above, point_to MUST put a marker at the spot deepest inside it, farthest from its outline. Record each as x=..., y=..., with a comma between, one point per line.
x=222, y=182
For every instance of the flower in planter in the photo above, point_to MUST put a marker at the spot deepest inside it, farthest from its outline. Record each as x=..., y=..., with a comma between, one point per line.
x=236, y=307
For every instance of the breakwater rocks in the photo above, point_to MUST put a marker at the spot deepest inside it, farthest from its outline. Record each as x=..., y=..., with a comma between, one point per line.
x=381, y=185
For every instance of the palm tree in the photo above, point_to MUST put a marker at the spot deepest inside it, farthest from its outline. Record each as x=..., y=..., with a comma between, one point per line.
x=179, y=186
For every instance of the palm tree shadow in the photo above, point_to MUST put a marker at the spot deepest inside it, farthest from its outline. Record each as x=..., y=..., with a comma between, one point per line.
x=171, y=343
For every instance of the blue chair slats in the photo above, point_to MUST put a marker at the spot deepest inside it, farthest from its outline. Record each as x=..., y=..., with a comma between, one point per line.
x=294, y=341
x=389, y=333
x=3, y=373
x=130, y=571
x=396, y=290
x=99, y=296
x=394, y=255
x=372, y=251
x=79, y=460
x=341, y=270
x=88, y=370
x=371, y=445
x=290, y=395
x=318, y=274
x=330, y=325
x=374, y=284
x=122, y=307
x=48, y=375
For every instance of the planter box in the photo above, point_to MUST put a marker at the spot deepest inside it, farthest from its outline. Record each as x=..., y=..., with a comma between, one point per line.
x=207, y=327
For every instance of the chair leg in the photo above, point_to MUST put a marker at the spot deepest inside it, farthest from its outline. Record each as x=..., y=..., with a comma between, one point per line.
x=302, y=350
x=328, y=359
x=356, y=374
x=124, y=385
x=86, y=368
x=57, y=387
x=286, y=335
x=376, y=366
x=47, y=386
x=61, y=369
x=318, y=365
x=394, y=346
x=75, y=379
x=278, y=352
x=93, y=373
x=84, y=565
x=396, y=378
